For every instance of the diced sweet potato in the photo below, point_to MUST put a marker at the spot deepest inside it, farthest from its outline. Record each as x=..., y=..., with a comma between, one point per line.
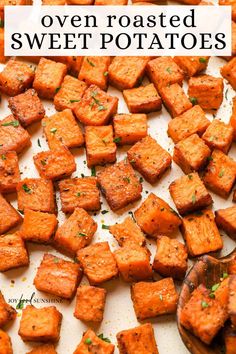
x=230, y=339
x=76, y=61
x=192, y=65
x=220, y=174
x=226, y=220
x=48, y=77
x=221, y=291
x=111, y=2
x=38, y=226
x=90, y=303
x=171, y=258
x=3, y=58
x=127, y=233
x=228, y=71
x=232, y=121
x=13, y=253
x=189, y=2
x=5, y=343
x=7, y=312
x=143, y=99
x=40, y=324
x=129, y=128
x=43, y=349
x=191, y=154
x=53, y=2
x=155, y=217
x=154, y=299
x=36, y=194
x=127, y=186
x=27, y=107
x=80, y=2
x=232, y=299
x=98, y=263
x=201, y=234
x=206, y=91
x=219, y=135
x=9, y=217
x=149, y=159
x=94, y=70
x=9, y=171
x=96, y=107
x=79, y=192
x=62, y=128
x=92, y=343
x=100, y=147
x=76, y=232
x=175, y=99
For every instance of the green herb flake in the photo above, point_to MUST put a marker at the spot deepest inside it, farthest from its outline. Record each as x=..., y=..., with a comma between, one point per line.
x=43, y=162
x=190, y=177
x=73, y=101
x=226, y=94
x=53, y=130
x=126, y=179
x=169, y=70
x=204, y=304
x=212, y=295
x=215, y=287
x=193, y=100
x=105, y=339
x=20, y=305
x=88, y=341
x=56, y=260
x=104, y=212
x=117, y=140
x=221, y=173
x=57, y=89
x=81, y=234
x=194, y=198
x=102, y=108
x=93, y=171
x=26, y=189
x=1, y=23
x=106, y=73
x=141, y=179
x=202, y=60
x=211, y=138
x=39, y=143
x=3, y=157
x=161, y=297
x=90, y=62
x=225, y=275
x=13, y=123
x=105, y=227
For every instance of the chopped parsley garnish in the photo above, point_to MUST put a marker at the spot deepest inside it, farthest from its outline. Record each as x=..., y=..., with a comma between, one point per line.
x=56, y=260
x=73, y=101
x=106, y=73
x=102, y=108
x=126, y=179
x=161, y=297
x=193, y=100
x=117, y=140
x=88, y=341
x=3, y=157
x=57, y=89
x=13, y=123
x=105, y=339
x=141, y=179
x=93, y=171
x=20, y=305
x=26, y=189
x=43, y=162
x=221, y=174
x=104, y=212
x=194, y=198
x=53, y=130
x=90, y=62
x=204, y=304
x=39, y=143
x=1, y=23
x=169, y=70
x=215, y=287
x=202, y=60
x=81, y=234
x=190, y=176
x=225, y=275
x=105, y=227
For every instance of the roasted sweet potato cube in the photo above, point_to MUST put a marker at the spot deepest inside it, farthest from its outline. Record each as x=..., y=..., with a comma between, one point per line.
x=189, y=193
x=128, y=233
x=76, y=61
x=98, y=263
x=126, y=72
x=163, y=71
x=220, y=174
x=38, y=226
x=219, y=135
x=189, y=2
x=53, y=2
x=92, y=343
x=206, y=91
x=62, y=128
x=232, y=121
x=27, y=107
x=16, y=77
x=48, y=77
x=80, y=2
x=175, y=99
x=3, y=58
x=70, y=93
x=133, y=263
x=154, y=299
x=36, y=194
x=5, y=343
x=139, y=339
x=155, y=217
x=127, y=186
x=12, y=136
x=9, y=217
x=111, y=2
x=130, y=128
x=79, y=192
x=90, y=303
x=143, y=99
x=100, y=147
x=58, y=277
x=190, y=122
x=94, y=70
x=9, y=171
x=43, y=349
x=192, y=65
x=149, y=159
x=191, y=154
x=171, y=258
x=7, y=312
x=40, y=324
x=96, y=107
x=226, y=220
x=76, y=232
x=229, y=339
x=13, y=253
x=228, y=71
x=232, y=299
x=201, y=234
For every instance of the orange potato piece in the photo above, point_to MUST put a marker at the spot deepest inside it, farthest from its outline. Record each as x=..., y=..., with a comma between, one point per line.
x=7, y=312
x=80, y=2
x=192, y=65
x=79, y=192
x=128, y=233
x=228, y=71
x=3, y=58
x=190, y=2
x=130, y=128
x=100, y=147
x=111, y=2
x=201, y=234
x=43, y=349
x=90, y=303
x=155, y=217
x=219, y=135
x=149, y=159
x=76, y=61
x=230, y=339
x=222, y=291
x=9, y=171
x=76, y=232
x=175, y=99
x=94, y=70
x=232, y=121
x=53, y=2
x=226, y=220
x=98, y=263
x=5, y=343
x=9, y=217
x=40, y=324
x=232, y=299
x=92, y=343
x=128, y=188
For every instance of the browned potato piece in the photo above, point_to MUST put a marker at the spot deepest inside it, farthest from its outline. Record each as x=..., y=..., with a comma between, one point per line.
x=3, y=58
x=13, y=253
x=226, y=220
x=79, y=192
x=9, y=217
x=154, y=299
x=190, y=122
x=171, y=258
x=38, y=226
x=16, y=77
x=9, y=171
x=92, y=343
x=62, y=128
x=80, y=2
x=5, y=343
x=128, y=188
x=76, y=62
x=190, y=2
x=127, y=233
x=228, y=71
x=94, y=70
x=175, y=99
x=7, y=312
x=44, y=348
x=163, y=71
x=40, y=324
x=90, y=303
x=232, y=121
x=201, y=234
x=53, y=2
x=98, y=263
x=206, y=91
x=76, y=232
x=143, y=99
x=192, y=65
x=129, y=128
x=155, y=217
x=230, y=339
x=100, y=147
x=111, y=2
x=36, y=194
x=219, y=135
x=149, y=159
x=232, y=299
x=140, y=338
x=48, y=77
